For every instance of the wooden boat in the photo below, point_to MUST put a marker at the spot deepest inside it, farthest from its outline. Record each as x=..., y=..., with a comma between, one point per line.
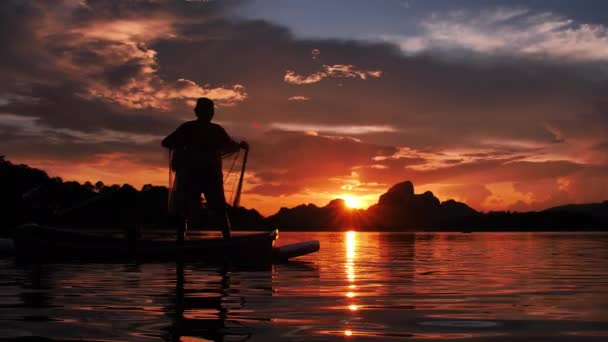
x=40, y=243
x=34, y=242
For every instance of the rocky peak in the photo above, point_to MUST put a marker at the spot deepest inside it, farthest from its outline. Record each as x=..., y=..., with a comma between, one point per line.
x=398, y=193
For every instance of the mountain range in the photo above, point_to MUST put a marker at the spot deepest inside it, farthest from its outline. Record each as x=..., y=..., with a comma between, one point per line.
x=400, y=208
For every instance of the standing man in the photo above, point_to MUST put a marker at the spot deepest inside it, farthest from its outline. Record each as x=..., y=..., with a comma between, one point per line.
x=197, y=148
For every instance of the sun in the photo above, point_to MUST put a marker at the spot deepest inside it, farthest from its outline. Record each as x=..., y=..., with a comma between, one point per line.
x=352, y=202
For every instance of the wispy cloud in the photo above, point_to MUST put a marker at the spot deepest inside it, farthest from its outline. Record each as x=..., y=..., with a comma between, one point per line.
x=30, y=127
x=446, y=158
x=336, y=70
x=513, y=32
x=298, y=98
x=333, y=129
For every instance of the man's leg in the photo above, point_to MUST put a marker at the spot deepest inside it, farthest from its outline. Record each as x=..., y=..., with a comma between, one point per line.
x=216, y=201
x=188, y=217
x=180, y=205
x=189, y=199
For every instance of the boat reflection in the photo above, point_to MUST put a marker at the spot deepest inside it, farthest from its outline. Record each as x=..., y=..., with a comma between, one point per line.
x=212, y=304
x=37, y=297
x=129, y=301
x=203, y=314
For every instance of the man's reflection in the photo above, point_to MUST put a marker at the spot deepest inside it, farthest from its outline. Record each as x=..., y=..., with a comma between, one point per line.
x=39, y=297
x=214, y=328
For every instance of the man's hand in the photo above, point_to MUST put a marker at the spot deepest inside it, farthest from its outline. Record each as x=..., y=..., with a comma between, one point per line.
x=244, y=145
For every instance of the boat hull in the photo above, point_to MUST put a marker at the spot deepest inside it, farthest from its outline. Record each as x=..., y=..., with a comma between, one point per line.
x=34, y=242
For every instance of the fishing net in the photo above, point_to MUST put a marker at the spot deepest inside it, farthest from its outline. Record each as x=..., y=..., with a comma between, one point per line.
x=232, y=164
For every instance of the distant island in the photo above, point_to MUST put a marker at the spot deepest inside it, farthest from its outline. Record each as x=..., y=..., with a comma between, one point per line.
x=30, y=195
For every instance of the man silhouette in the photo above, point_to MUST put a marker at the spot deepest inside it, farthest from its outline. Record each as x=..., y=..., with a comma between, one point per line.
x=197, y=148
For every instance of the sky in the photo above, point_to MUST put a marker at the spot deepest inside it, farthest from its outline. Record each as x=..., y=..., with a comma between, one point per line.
x=499, y=104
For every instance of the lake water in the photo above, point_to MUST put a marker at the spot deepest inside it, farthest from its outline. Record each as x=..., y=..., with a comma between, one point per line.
x=360, y=286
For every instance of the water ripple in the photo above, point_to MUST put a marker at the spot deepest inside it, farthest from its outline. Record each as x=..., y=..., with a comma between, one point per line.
x=364, y=286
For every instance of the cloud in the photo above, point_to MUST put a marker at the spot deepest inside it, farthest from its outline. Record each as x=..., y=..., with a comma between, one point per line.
x=307, y=161
x=124, y=68
x=24, y=124
x=111, y=168
x=473, y=194
x=336, y=71
x=30, y=140
x=584, y=186
x=30, y=127
x=434, y=159
x=509, y=31
x=105, y=47
x=298, y=98
x=341, y=130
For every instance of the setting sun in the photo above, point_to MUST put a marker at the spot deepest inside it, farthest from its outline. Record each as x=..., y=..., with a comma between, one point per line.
x=352, y=201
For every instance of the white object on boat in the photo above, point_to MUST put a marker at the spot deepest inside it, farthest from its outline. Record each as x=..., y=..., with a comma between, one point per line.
x=296, y=249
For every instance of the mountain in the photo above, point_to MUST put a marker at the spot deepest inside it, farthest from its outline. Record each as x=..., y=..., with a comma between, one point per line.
x=591, y=209
x=397, y=209
x=401, y=208
x=334, y=216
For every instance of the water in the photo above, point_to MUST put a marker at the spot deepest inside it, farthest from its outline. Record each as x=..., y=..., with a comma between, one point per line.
x=360, y=286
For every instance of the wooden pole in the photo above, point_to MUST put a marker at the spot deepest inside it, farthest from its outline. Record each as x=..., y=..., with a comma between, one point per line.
x=237, y=198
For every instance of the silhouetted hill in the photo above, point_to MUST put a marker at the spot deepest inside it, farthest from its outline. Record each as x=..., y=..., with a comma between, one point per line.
x=592, y=209
x=30, y=195
x=398, y=209
x=334, y=216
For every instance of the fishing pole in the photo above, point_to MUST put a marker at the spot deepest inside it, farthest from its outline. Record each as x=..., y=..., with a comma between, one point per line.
x=237, y=198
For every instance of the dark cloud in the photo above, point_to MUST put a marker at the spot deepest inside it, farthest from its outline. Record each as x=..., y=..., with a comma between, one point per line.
x=61, y=106
x=433, y=101
x=495, y=171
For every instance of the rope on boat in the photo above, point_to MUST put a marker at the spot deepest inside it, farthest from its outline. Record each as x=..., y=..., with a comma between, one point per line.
x=229, y=173
x=170, y=187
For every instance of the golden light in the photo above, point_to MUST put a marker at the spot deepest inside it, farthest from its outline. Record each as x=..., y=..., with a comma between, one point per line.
x=352, y=201
x=351, y=240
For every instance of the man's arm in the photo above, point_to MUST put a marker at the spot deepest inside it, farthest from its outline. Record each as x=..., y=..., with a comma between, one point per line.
x=175, y=139
x=228, y=144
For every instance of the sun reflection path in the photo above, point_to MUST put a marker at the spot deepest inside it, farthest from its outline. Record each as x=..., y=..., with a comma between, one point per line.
x=349, y=266
x=351, y=239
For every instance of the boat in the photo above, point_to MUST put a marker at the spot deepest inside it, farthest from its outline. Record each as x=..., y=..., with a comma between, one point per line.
x=43, y=243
